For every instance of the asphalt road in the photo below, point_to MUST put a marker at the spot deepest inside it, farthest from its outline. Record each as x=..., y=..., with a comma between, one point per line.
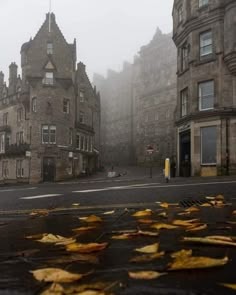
x=112, y=193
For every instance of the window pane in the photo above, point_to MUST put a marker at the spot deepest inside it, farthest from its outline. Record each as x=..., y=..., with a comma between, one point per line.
x=208, y=142
x=206, y=95
x=206, y=43
x=52, y=134
x=45, y=134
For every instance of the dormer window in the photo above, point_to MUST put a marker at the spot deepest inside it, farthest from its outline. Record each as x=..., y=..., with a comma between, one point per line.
x=48, y=78
x=49, y=48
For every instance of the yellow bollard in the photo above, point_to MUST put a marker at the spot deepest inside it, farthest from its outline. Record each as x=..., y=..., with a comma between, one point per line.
x=167, y=169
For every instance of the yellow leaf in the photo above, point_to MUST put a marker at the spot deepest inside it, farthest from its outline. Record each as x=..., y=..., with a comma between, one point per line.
x=197, y=227
x=88, y=258
x=148, y=249
x=55, y=289
x=184, y=213
x=147, y=257
x=192, y=209
x=163, y=226
x=185, y=222
x=145, y=275
x=146, y=212
x=148, y=233
x=206, y=205
x=182, y=254
x=56, y=275
x=209, y=240
x=196, y=262
x=164, y=205
x=36, y=237
x=231, y=286
x=109, y=212
x=83, y=228
x=56, y=239
x=126, y=236
x=91, y=218
x=99, y=286
x=86, y=248
x=76, y=204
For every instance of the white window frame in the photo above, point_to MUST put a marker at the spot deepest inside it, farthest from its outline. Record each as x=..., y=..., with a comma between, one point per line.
x=204, y=43
x=184, y=102
x=5, y=171
x=48, y=78
x=81, y=96
x=2, y=143
x=78, y=140
x=20, y=114
x=66, y=106
x=49, y=129
x=180, y=12
x=200, y=97
x=81, y=117
x=19, y=169
x=49, y=48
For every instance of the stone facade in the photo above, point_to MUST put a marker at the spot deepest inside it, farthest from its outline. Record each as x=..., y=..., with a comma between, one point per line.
x=51, y=116
x=205, y=37
x=138, y=105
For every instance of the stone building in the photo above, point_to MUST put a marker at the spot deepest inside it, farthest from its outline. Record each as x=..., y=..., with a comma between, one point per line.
x=50, y=117
x=154, y=95
x=138, y=105
x=205, y=37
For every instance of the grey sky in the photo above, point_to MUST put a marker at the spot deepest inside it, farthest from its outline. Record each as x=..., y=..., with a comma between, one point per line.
x=107, y=31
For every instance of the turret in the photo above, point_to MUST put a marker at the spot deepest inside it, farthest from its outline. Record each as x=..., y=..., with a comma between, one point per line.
x=12, y=77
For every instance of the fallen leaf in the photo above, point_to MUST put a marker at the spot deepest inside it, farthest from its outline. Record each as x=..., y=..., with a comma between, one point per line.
x=146, y=221
x=145, y=275
x=98, y=286
x=184, y=213
x=83, y=258
x=148, y=249
x=91, y=292
x=163, y=214
x=206, y=205
x=56, y=239
x=148, y=233
x=197, y=227
x=220, y=197
x=86, y=248
x=223, y=238
x=163, y=226
x=133, y=234
x=54, y=289
x=231, y=286
x=109, y=212
x=76, y=204
x=164, y=205
x=39, y=212
x=91, y=218
x=196, y=262
x=187, y=223
x=234, y=212
x=83, y=228
x=192, y=209
x=56, y=275
x=146, y=212
x=124, y=236
x=182, y=254
x=209, y=240
x=37, y=236
x=147, y=258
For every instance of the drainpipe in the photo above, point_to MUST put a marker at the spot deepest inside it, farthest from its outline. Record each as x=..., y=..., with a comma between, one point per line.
x=227, y=146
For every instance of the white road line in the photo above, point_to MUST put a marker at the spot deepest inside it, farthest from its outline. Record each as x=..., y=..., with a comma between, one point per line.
x=132, y=187
x=17, y=189
x=41, y=196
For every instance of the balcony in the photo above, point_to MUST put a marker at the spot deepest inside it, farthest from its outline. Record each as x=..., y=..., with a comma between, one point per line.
x=84, y=127
x=16, y=149
x=5, y=128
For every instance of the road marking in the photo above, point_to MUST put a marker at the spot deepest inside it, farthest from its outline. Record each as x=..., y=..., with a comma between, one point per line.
x=17, y=189
x=147, y=186
x=41, y=196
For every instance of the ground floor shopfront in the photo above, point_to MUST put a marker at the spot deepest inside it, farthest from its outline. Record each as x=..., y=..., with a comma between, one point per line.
x=207, y=147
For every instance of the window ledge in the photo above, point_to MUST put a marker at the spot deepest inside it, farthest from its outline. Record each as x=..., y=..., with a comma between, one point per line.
x=203, y=8
x=180, y=73
x=206, y=59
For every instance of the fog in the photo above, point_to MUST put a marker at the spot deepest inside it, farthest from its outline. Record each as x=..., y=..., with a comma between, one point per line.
x=108, y=32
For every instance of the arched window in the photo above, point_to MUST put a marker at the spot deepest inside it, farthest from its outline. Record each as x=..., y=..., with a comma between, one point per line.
x=34, y=104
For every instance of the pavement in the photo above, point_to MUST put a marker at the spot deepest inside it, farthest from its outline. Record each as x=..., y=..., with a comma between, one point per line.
x=64, y=204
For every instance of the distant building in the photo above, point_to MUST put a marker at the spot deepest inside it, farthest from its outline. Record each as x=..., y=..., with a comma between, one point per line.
x=50, y=118
x=138, y=104
x=205, y=36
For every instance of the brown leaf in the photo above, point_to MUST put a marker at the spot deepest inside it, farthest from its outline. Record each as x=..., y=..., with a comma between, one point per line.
x=153, y=248
x=91, y=218
x=220, y=197
x=197, y=227
x=86, y=248
x=56, y=239
x=184, y=222
x=145, y=275
x=209, y=240
x=83, y=228
x=196, y=262
x=98, y=286
x=36, y=237
x=182, y=254
x=147, y=257
x=163, y=214
x=54, y=289
x=148, y=233
x=234, y=212
x=146, y=212
x=146, y=221
x=192, y=209
x=56, y=275
x=163, y=226
x=84, y=258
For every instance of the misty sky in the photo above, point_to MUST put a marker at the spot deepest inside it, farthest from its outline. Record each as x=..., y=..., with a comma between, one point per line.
x=107, y=31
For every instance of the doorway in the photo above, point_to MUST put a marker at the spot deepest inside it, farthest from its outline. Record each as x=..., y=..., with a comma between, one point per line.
x=49, y=169
x=185, y=154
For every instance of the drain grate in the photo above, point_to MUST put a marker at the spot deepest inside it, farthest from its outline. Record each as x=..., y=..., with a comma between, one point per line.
x=189, y=203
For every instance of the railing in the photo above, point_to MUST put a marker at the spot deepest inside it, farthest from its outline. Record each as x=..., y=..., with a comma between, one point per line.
x=16, y=149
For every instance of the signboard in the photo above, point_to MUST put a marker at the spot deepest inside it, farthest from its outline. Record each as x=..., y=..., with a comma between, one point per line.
x=28, y=154
x=150, y=149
